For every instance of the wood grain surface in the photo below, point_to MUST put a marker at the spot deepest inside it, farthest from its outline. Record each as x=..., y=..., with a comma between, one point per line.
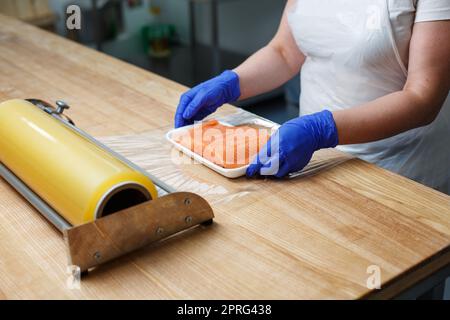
x=305, y=238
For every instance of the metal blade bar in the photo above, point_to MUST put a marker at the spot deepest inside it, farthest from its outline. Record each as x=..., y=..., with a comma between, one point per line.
x=59, y=222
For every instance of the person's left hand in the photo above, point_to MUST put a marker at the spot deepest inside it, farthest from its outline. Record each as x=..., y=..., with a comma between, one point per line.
x=292, y=146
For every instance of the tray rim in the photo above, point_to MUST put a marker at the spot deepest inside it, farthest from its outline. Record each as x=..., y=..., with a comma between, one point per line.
x=229, y=173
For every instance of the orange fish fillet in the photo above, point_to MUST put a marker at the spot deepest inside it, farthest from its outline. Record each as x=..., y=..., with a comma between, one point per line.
x=227, y=146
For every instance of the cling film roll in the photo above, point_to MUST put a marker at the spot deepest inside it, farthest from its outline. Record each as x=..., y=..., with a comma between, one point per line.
x=77, y=178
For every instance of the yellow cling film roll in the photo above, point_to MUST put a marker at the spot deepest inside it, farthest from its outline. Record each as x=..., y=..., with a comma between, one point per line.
x=77, y=178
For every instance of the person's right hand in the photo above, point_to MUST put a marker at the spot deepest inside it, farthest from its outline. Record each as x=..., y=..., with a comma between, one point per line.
x=205, y=98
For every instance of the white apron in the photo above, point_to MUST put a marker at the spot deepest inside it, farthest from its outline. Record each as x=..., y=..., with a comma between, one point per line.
x=351, y=59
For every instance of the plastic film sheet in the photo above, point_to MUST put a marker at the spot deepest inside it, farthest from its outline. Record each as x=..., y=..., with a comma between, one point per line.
x=152, y=152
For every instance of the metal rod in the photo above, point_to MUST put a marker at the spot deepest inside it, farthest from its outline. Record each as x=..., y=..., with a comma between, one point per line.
x=51, y=215
x=97, y=25
x=155, y=180
x=192, y=24
x=215, y=36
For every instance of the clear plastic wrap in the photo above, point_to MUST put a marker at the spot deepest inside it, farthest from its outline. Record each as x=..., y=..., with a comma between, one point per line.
x=152, y=152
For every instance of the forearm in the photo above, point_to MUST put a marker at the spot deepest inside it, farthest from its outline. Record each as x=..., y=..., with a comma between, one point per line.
x=420, y=100
x=385, y=117
x=265, y=70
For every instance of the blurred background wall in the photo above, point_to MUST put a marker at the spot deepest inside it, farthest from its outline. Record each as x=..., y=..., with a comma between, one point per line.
x=201, y=38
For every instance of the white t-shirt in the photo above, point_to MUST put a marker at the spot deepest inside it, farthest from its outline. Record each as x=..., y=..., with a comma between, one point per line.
x=404, y=13
x=357, y=51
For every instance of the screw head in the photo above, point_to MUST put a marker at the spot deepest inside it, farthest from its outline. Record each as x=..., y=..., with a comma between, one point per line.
x=159, y=231
x=187, y=201
x=62, y=104
x=188, y=219
x=97, y=255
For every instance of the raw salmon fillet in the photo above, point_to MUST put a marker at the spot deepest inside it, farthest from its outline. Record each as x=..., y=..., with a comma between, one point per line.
x=227, y=146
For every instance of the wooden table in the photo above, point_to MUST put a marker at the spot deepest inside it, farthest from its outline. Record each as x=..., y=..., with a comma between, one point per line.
x=304, y=238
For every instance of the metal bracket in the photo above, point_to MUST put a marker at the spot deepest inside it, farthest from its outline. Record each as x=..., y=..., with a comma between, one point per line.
x=107, y=238
x=58, y=111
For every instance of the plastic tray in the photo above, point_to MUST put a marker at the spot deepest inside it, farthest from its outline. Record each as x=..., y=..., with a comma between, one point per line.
x=229, y=173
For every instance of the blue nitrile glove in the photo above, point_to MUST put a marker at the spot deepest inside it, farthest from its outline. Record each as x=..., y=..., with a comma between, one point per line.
x=292, y=146
x=205, y=98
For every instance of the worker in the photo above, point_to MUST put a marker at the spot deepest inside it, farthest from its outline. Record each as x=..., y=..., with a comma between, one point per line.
x=374, y=77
